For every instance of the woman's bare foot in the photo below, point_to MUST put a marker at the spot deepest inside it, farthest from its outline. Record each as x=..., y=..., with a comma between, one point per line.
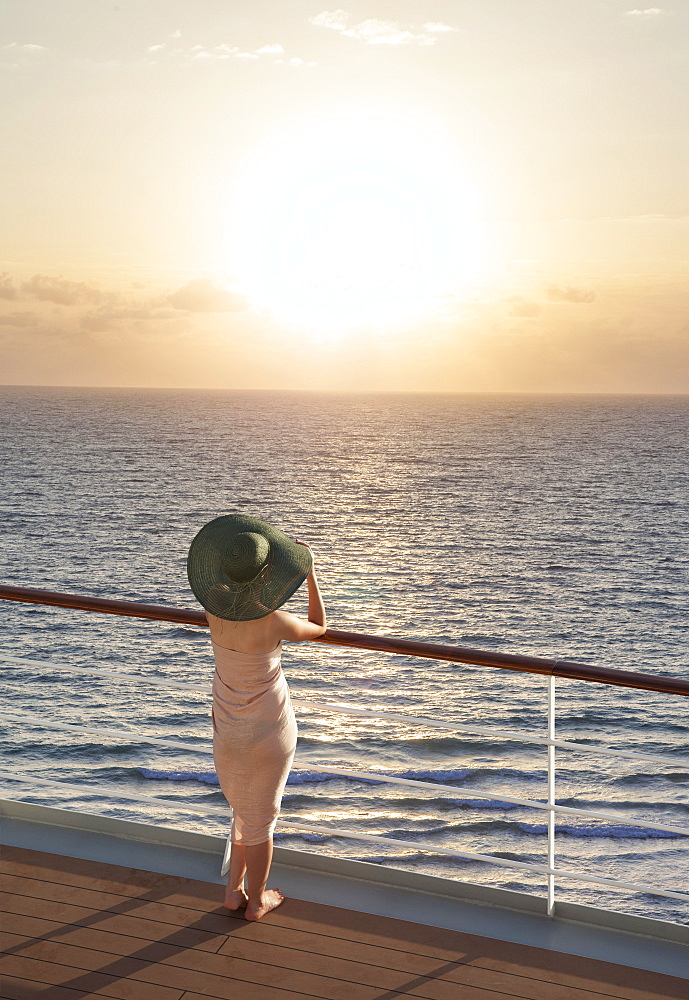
x=235, y=899
x=268, y=901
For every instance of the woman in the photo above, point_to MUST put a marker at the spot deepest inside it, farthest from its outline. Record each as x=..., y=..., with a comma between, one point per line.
x=242, y=570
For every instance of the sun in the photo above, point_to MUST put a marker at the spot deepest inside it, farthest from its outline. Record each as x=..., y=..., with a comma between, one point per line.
x=353, y=220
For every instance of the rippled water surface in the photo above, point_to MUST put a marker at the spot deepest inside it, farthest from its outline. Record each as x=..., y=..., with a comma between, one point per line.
x=548, y=525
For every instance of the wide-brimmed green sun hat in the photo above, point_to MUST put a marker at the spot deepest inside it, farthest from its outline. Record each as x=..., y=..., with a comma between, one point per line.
x=240, y=568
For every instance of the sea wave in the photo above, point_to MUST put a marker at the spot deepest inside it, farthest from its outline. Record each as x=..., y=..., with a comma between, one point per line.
x=446, y=805
x=205, y=777
x=676, y=778
x=189, y=633
x=603, y=831
x=432, y=775
x=73, y=751
x=410, y=804
x=422, y=744
x=449, y=775
x=308, y=777
x=616, y=831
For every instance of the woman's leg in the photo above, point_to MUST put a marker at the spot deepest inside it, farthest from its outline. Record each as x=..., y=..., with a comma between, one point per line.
x=225, y=755
x=252, y=779
x=234, y=894
x=261, y=900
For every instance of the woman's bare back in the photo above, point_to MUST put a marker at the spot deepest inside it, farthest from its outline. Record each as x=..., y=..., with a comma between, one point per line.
x=259, y=636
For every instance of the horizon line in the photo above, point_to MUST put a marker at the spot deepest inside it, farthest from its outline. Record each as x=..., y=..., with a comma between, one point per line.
x=352, y=392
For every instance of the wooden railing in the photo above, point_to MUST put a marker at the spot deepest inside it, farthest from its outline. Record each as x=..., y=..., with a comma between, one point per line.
x=386, y=644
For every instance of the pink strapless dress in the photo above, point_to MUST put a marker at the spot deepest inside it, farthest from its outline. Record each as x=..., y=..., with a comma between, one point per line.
x=254, y=738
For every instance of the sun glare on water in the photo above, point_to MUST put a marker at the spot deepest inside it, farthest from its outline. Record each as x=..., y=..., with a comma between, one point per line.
x=355, y=221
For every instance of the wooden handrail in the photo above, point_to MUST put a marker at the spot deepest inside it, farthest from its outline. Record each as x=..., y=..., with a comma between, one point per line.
x=385, y=644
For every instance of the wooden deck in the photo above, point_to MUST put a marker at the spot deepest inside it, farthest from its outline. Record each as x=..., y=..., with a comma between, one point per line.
x=74, y=929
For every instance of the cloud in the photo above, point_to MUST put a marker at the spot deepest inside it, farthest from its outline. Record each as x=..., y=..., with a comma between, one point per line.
x=106, y=308
x=27, y=47
x=18, y=319
x=569, y=294
x=61, y=291
x=437, y=27
x=222, y=51
x=335, y=19
x=646, y=12
x=7, y=289
x=374, y=31
x=202, y=295
x=273, y=52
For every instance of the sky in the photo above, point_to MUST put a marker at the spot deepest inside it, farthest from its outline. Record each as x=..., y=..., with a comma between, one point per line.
x=439, y=196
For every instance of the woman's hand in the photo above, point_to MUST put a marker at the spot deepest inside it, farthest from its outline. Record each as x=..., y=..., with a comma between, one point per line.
x=306, y=546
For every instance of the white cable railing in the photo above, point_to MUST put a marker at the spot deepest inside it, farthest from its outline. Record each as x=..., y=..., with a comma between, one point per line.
x=352, y=835
x=550, y=806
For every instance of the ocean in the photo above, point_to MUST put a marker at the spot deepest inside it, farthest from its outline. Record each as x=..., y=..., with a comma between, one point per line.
x=539, y=524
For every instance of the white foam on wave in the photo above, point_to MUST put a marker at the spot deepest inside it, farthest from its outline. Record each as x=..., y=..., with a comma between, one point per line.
x=205, y=777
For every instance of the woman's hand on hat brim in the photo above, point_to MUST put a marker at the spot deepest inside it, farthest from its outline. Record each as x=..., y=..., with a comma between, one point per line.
x=307, y=546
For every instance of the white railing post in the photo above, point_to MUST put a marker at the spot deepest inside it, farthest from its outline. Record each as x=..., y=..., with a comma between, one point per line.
x=551, y=794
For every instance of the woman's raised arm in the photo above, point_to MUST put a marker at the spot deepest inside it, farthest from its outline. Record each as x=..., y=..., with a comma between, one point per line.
x=295, y=629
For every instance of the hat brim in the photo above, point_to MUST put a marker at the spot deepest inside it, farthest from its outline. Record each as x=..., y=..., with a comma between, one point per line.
x=287, y=566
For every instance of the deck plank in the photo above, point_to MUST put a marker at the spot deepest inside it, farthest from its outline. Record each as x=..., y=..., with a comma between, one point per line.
x=111, y=878
x=84, y=982
x=164, y=937
x=24, y=989
x=97, y=939
x=175, y=916
x=126, y=925
x=108, y=878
